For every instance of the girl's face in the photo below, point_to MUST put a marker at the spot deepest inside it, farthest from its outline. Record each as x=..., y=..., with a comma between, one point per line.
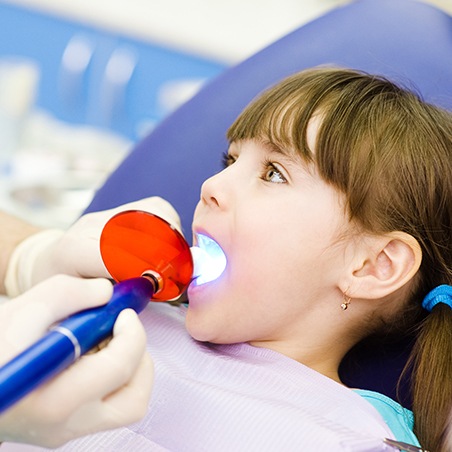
x=280, y=227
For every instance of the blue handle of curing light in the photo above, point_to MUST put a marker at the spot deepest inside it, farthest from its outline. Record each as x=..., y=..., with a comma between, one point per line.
x=73, y=337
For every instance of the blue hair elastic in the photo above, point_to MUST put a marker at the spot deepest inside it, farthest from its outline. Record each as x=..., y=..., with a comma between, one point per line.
x=440, y=294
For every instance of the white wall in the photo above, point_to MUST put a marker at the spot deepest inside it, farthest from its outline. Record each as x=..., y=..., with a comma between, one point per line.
x=225, y=30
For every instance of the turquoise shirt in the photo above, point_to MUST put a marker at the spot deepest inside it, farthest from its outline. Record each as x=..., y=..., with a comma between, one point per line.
x=400, y=420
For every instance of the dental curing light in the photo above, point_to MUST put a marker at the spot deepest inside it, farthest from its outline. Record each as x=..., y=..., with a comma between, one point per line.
x=209, y=260
x=130, y=246
x=152, y=260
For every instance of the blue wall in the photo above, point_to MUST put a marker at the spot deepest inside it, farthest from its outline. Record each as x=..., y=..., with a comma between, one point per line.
x=123, y=101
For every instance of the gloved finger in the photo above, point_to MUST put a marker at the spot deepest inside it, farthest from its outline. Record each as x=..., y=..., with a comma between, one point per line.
x=27, y=317
x=78, y=250
x=81, y=242
x=124, y=406
x=153, y=204
x=158, y=206
x=130, y=403
x=62, y=295
x=100, y=374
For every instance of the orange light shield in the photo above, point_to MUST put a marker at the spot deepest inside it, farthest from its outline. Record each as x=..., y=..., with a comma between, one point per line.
x=135, y=242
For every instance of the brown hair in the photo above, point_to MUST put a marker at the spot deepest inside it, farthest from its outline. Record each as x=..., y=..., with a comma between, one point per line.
x=390, y=153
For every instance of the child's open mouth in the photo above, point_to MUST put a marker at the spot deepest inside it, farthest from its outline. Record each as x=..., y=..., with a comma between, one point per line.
x=209, y=260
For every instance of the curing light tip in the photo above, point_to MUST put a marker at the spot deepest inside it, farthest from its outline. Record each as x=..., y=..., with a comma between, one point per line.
x=209, y=260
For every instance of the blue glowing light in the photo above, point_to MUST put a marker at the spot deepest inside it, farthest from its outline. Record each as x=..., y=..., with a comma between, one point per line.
x=209, y=260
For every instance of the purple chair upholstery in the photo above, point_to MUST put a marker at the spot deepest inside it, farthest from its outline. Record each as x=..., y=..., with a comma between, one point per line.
x=405, y=40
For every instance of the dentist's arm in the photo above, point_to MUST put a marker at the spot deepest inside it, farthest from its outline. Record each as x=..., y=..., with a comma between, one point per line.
x=103, y=390
x=13, y=232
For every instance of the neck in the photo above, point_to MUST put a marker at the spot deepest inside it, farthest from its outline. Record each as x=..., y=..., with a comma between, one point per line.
x=322, y=359
x=320, y=348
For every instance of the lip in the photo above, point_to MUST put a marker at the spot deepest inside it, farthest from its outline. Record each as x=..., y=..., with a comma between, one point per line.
x=210, y=258
x=197, y=231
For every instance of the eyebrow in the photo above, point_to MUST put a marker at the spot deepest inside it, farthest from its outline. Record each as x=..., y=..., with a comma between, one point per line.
x=285, y=152
x=273, y=147
x=293, y=157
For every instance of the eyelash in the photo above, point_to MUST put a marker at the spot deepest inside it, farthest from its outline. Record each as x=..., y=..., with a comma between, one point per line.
x=227, y=159
x=267, y=166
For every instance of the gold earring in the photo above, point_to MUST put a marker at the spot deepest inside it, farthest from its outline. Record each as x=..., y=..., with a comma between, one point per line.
x=345, y=302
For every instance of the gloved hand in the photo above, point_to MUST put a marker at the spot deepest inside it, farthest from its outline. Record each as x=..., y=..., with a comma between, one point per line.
x=74, y=252
x=103, y=390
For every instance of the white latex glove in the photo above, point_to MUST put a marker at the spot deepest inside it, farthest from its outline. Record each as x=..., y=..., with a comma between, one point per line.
x=74, y=252
x=103, y=390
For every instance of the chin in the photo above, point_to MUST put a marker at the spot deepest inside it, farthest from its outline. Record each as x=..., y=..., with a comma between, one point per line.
x=195, y=328
x=204, y=330
x=201, y=336
x=205, y=333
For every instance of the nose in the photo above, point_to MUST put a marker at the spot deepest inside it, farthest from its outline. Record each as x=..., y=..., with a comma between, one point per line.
x=214, y=190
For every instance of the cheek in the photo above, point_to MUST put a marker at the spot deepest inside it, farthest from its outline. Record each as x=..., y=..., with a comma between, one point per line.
x=260, y=272
x=285, y=265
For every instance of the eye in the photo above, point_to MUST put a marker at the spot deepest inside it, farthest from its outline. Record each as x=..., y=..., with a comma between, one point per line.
x=272, y=174
x=227, y=160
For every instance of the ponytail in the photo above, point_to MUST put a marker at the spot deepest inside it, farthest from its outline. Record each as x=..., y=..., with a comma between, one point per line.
x=431, y=361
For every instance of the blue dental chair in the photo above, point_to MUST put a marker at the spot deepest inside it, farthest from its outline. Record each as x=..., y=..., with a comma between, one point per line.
x=408, y=41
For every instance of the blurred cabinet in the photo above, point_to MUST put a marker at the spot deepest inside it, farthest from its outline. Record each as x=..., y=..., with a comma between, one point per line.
x=94, y=77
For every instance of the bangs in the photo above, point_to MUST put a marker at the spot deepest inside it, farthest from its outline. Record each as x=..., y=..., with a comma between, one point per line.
x=279, y=117
x=363, y=122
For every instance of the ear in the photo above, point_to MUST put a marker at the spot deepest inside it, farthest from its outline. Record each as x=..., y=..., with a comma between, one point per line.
x=384, y=264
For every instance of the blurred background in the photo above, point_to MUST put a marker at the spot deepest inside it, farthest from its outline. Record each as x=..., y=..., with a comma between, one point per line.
x=81, y=82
